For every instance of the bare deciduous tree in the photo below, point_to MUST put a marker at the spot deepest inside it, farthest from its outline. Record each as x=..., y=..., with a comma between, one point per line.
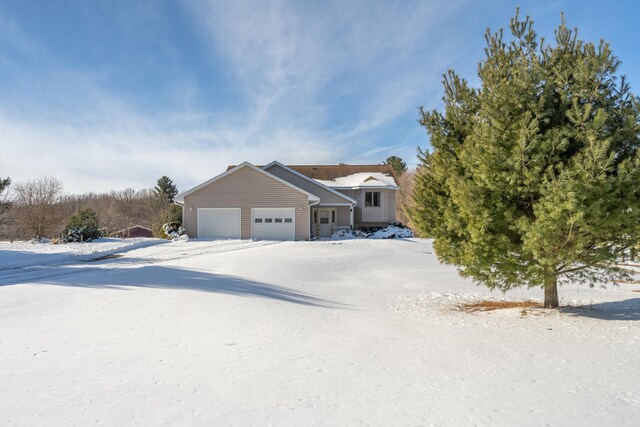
x=125, y=204
x=116, y=210
x=403, y=197
x=105, y=206
x=36, y=206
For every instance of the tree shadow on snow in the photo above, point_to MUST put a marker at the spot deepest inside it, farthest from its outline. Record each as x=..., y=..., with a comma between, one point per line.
x=164, y=277
x=614, y=310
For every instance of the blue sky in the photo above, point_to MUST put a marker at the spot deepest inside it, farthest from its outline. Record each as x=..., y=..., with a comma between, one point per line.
x=114, y=94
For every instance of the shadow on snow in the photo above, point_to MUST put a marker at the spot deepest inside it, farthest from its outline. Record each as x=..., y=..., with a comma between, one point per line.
x=613, y=310
x=161, y=277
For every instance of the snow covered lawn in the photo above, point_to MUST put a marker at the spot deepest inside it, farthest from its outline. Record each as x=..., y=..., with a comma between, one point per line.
x=29, y=253
x=303, y=333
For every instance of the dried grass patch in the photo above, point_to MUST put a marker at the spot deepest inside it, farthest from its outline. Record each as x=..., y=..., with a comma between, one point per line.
x=498, y=305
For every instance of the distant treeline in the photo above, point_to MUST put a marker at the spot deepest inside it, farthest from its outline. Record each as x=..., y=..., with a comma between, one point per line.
x=39, y=208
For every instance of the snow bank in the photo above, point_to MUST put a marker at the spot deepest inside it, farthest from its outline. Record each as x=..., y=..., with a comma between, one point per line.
x=348, y=234
x=390, y=232
x=33, y=253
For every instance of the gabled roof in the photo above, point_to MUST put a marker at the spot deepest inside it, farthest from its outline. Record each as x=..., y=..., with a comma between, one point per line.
x=329, y=175
x=329, y=172
x=316, y=182
x=179, y=199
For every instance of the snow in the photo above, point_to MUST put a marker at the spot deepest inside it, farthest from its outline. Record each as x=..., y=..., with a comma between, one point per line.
x=343, y=332
x=174, y=231
x=348, y=234
x=33, y=253
x=364, y=179
x=392, y=232
x=389, y=232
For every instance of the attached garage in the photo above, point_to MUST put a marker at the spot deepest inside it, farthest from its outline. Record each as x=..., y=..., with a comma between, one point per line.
x=219, y=223
x=273, y=223
x=227, y=207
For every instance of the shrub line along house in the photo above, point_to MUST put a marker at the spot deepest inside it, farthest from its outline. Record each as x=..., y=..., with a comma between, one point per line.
x=278, y=202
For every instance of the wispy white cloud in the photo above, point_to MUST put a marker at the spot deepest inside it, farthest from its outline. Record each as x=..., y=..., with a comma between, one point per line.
x=285, y=51
x=296, y=62
x=319, y=83
x=123, y=149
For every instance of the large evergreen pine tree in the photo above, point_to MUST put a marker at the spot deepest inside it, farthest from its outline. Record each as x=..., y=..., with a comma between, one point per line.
x=398, y=165
x=534, y=177
x=4, y=183
x=165, y=189
x=4, y=203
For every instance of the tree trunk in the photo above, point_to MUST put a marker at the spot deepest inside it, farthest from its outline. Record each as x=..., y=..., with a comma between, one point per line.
x=551, y=290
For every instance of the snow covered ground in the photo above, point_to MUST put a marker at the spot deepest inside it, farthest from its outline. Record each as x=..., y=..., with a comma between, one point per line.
x=303, y=333
x=32, y=253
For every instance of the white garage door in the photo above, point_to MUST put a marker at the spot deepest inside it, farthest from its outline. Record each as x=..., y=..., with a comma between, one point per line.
x=219, y=223
x=273, y=223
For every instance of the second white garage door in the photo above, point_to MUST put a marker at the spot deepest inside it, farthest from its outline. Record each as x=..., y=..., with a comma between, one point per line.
x=273, y=223
x=219, y=223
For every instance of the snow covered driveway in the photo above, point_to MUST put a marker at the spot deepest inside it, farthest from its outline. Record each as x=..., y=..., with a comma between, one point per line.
x=303, y=333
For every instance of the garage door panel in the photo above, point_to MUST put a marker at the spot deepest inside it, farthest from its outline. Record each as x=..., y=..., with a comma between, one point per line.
x=219, y=223
x=273, y=223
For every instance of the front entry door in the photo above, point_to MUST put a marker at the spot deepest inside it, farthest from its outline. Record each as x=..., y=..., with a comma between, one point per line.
x=326, y=221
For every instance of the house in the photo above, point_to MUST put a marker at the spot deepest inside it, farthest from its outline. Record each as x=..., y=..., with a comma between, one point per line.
x=279, y=202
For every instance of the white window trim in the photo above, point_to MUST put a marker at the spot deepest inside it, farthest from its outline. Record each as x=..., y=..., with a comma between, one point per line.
x=372, y=205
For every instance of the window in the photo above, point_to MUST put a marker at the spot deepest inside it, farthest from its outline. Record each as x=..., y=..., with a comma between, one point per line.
x=333, y=217
x=324, y=216
x=315, y=217
x=278, y=219
x=288, y=220
x=372, y=198
x=258, y=220
x=268, y=220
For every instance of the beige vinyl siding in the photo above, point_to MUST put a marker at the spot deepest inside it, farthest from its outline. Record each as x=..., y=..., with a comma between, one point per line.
x=326, y=197
x=391, y=205
x=348, y=193
x=343, y=214
x=360, y=199
x=245, y=189
x=375, y=213
x=375, y=216
x=357, y=213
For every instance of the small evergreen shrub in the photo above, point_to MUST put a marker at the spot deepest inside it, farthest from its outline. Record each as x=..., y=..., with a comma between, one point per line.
x=172, y=230
x=82, y=227
x=169, y=214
